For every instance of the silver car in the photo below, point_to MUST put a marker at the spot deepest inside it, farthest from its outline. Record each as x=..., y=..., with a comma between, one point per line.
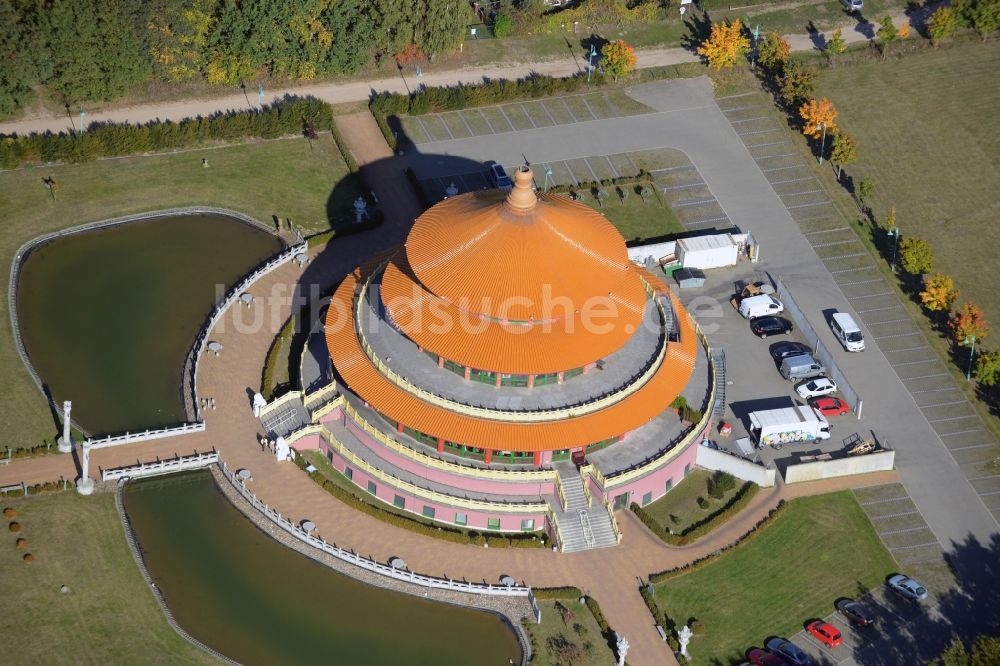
x=853, y=5
x=789, y=652
x=907, y=587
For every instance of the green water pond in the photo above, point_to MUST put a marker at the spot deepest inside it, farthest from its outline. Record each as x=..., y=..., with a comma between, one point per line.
x=250, y=598
x=108, y=315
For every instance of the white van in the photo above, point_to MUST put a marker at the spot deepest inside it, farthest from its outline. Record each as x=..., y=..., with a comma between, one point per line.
x=847, y=332
x=760, y=306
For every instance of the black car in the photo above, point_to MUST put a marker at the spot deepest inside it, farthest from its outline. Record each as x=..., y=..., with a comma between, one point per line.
x=856, y=613
x=766, y=326
x=782, y=350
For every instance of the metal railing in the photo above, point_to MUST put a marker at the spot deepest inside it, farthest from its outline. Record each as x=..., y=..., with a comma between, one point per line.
x=146, y=435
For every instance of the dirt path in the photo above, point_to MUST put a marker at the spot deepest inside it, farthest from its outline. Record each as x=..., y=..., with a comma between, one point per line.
x=354, y=91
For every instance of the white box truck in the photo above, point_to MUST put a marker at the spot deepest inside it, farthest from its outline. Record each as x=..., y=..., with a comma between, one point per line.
x=789, y=425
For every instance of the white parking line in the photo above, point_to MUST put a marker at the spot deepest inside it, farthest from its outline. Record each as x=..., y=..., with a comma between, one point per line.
x=857, y=282
x=954, y=418
x=696, y=202
x=936, y=374
x=919, y=545
x=960, y=432
x=844, y=256
x=810, y=205
x=746, y=120
x=971, y=446
x=840, y=242
x=894, y=515
x=898, y=335
x=824, y=231
x=794, y=166
x=943, y=404
x=881, y=293
x=885, y=307
x=885, y=501
x=904, y=530
x=684, y=187
x=771, y=157
x=907, y=349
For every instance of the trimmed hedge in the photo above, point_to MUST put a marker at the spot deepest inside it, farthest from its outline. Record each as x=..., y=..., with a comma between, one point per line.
x=565, y=592
x=664, y=576
x=267, y=386
x=523, y=540
x=291, y=115
x=705, y=525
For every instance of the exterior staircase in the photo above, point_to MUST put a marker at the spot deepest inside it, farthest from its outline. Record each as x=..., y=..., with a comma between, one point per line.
x=582, y=525
x=719, y=364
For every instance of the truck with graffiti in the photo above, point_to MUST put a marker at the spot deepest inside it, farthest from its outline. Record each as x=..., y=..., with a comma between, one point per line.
x=788, y=425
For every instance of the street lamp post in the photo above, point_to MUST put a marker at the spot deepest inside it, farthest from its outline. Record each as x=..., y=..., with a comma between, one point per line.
x=83, y=114
x=753, y=52
x=548, y=172
x=822, y=144
x=260, y=97
x=970, y=342
x=894, y=232
x=590, y=61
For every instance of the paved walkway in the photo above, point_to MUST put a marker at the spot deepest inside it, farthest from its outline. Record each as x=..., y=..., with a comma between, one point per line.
x=354, y=91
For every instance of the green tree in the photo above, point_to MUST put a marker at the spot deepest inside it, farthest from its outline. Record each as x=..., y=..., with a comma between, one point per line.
x=435, y=26
x=866, y=188
x=887, y=34
x=942, y=24
x=836, y=44
x=773, y=53
x=618, y=59
x=20, y=54
x=96, y=49
x=178, y=36
x=231, y=54
x=916, y=256
x=985, y=17
x=353, y=37
x=845, y=151
x=798, y=84
x=987, y=374
x=503, y=26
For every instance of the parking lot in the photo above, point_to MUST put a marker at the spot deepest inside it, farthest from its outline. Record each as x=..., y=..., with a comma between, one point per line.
x=752, y=377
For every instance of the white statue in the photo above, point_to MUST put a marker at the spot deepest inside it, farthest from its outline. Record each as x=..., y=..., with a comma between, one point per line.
x=85, y=485
x=622, y=645
x=258, y=404
x=281, y=450
x=684, y=637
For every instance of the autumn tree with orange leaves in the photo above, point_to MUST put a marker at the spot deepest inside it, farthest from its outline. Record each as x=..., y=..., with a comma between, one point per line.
x=618, y=59
x=818, y=116
x=968, y=322
x=939, y=293
x=726, y=45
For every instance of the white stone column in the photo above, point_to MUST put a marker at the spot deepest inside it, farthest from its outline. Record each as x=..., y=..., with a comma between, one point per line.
x=85, y=485
x=65, y=442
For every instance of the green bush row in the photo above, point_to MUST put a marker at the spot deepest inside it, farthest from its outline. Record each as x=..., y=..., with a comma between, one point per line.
x=345, y=152
x=291, y=115
x=702, y=527
x=641, y=178
x=664, y=576
x=523, y=540
x=564, y=592
x=267, y=382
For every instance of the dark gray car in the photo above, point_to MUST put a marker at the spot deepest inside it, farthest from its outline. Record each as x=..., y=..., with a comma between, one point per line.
x=789, y=652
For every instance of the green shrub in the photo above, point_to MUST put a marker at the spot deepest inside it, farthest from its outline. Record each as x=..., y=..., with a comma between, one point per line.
x=268, y=385
x=14, y=527
x=720, y=483
x=565, y=592
x=503, y=26
x=702, y=502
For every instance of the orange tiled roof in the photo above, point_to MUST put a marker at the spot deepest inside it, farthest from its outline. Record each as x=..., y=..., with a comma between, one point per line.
x=366, y=381
x=510, y=259
x=436, y=324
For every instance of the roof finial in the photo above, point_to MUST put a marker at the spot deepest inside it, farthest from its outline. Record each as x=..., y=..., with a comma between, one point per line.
x=522, y=197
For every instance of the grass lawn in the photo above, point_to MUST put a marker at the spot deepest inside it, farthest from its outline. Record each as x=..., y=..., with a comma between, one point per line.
x=921, y=124
x=109, y=617
x=635, y=220
x=679, y=508
x=819, y=549
x=285, y=177
x=581, y=630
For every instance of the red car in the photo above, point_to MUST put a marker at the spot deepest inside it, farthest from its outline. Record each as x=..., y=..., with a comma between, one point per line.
x=827, y=634
x=759, y=657
x=830, y=406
